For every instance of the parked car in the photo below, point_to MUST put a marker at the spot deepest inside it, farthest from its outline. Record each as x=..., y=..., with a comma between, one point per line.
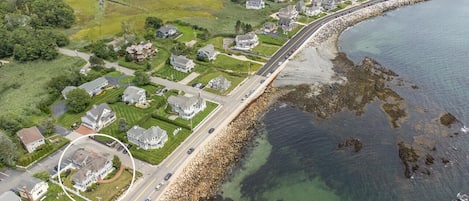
x=120, y=147
x=158, y=186
x=190, y=150
x=166, y=178
x=124, y=152
x=211, y=130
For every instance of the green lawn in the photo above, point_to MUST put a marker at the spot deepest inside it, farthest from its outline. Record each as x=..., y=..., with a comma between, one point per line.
x=159, y=60
x=55, y=192
x=265, y=49
x=234, y=78
x=129, y=112
x=23, y=85
x=127, y=80
x=169, y=73
x=227, y=63
x=217, y=42
x=132, y=65
x=111, y=191
x=155, y=156
x=290, y=33
x=188, y=33
x=195, y=120
x=114, y=74
x=305, y=19
x=267, y=39
x=69, y=118
x=342, y=5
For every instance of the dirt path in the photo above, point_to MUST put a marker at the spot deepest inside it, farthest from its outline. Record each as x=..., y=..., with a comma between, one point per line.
x=114, y=178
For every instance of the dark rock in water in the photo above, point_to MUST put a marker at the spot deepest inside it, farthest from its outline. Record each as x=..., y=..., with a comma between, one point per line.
x=444, y=161
x=408, y=156
x=354, y=142
x=448, y=119
x=429, y=159
x=215, y=198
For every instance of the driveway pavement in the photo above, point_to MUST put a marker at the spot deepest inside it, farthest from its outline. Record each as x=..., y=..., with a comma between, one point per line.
x=59, y=109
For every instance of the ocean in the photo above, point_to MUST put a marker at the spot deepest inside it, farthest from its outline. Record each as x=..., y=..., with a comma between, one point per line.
x=295, y=157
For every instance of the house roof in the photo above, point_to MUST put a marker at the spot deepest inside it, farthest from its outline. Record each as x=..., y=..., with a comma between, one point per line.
x=94, y=163
x=90, y=86
x=29, y=183
x=28, y=135
x=67, y=89
x=9, y=196
x=254, y=1
x=208, y=49
x=133, y=93
x=154, y=132
x=248, y=36
x=184, y=101
x=80, y=156
x=183, y=60
x=98, y=110
x=284, y=21
x=167, y=28
x=269, y=25
x=300, y=4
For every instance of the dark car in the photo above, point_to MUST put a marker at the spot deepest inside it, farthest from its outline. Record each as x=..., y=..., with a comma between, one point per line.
x=190, y=150
x=211, y=130
x=166, y=178
x=124, y=152
x=119, y=148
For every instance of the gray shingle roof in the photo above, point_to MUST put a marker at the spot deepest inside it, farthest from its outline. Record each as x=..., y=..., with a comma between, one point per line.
x=248, y=36
x=209, y=49
x=89, y=86
x=132, y=94
x=166, y=28
x=154, y=132
x=184, y=101
x=9, y=196
x=29, y=183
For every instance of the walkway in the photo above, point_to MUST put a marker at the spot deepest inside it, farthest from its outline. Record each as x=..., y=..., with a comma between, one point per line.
x=114, y=178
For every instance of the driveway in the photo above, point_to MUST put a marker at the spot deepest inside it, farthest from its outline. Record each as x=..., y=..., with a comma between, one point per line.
x=61, y=130
x=59, y=109
x=115, y=81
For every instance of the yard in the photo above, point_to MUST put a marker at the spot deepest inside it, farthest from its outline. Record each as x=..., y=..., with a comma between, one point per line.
x=169, y=73
x=227, y=63
x=111, y=191
x=195, y=120
x=305, y=19
x=23, y=85
x=55, y=192
x=233, y=78
x=188, y=33
x=155, y=156
x=70, y=118
x=268, y=39
x=265, y=49
x=156, y=62
x=52, y=144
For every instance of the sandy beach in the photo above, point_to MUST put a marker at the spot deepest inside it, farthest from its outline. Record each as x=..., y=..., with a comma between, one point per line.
x=202, y=175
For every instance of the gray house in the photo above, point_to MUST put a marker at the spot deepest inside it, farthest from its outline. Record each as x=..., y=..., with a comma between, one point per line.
x=219, y=82
x=134, y=95
x=255, y=4
x=288, y=12
x=9, y=196
x=93, y=88
x=91, y=166
x=301, y=6
x=181, y=63
x=207, y=52
x=328, y=4
x=246, y=41
x=33, y=188
x=286, y=24
x=98, y=117
x=167, y=31
x=186, y=107
x=153, y=138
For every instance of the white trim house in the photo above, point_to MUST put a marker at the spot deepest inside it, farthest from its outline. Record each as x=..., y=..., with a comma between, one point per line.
x=152, y=138
x=186, y=107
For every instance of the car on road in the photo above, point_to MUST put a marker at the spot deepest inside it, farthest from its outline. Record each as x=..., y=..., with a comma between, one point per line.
x=211, y=130
x=124, y=152
x=120, y=147
x=148, y=199
x=159, y=186
x=190, y=150
x=262, y=81
x=166, y=178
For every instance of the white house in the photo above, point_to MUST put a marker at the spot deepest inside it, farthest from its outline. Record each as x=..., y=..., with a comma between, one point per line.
x=98, y=117
x=288, y=12
x=287, y=24
x=134, y=95
x=329, y=4
x=208, y=52
x=181, y=63
x=153, y=138
x=91, y=167
x=255, y=4
x=186, y=107
x=167, y=31
x=312, y=11
x=31, y=138
x=93, y=88
x=246, y=41
x=219, y=82
x=32, y=188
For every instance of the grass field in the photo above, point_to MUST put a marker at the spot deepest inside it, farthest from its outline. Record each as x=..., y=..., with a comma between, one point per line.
x=267, y=39
x=129, y=112
x=169, y=73
x=234, y=79
x=55, y=192
x=23, y=85
x=199, y=117
x=265, y=49
x=188, y=33
x=109, y=191
x=227, y=63
x=93, y=24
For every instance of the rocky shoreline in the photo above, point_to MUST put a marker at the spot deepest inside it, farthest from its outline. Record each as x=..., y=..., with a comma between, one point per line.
x=201, y=177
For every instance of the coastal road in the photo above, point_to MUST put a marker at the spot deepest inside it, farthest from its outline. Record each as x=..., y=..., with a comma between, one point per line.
x=302, y=36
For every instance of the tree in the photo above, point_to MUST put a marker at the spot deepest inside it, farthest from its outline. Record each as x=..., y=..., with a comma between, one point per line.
x=123, y=125
x=95, y=61
x=48, y=124
x=51, y=13
x=237, y=26
x=78, y=100
x=141, y=78
x=8, y=151
x=116, y=162
x=9, y=124
x=153, y=22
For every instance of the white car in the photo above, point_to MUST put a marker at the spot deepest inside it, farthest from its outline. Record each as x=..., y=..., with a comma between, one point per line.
x=159, y=186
